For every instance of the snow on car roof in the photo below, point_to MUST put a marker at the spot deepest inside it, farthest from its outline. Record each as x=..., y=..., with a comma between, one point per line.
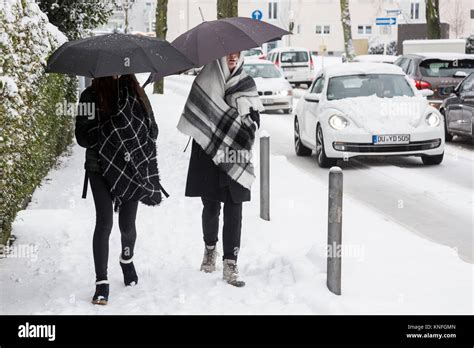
x=375, y=58
x=444, y=55
x=362, y=68
x=279, y=49
x=255, y=60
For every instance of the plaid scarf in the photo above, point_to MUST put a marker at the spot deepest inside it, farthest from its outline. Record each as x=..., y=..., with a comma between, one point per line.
x=128, y=154
x=216, y=115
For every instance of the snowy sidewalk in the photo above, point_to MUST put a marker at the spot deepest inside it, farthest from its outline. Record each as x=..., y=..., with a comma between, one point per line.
x=390, y=270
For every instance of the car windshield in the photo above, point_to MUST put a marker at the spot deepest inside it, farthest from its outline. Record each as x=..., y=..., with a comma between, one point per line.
x=445, y=68
x=382, y=85
x=294, y=57
x=252, y=52
x=267, y=71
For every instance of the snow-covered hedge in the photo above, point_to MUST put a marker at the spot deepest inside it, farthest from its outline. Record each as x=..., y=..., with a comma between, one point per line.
x=32, y=135
x=379, y=46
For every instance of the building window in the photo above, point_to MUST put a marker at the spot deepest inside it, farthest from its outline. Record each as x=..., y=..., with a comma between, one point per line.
x=364, y=29
x=323, y=29
x=415, y=10
x=272, y=10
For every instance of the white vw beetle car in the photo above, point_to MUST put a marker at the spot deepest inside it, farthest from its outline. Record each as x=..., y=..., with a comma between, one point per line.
x=367, y=109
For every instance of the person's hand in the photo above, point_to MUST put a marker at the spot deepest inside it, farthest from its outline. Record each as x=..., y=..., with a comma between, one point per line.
x=255, y=116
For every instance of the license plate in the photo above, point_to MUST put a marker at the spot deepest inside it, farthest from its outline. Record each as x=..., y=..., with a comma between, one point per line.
x=290, y=69
x=267, y=101
x=391, y=139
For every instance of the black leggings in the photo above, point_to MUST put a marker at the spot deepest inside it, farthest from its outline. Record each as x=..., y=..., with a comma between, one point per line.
x=104, y=221
x=232, y=225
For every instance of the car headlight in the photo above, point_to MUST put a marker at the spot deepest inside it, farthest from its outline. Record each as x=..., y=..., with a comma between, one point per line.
x=338, y=122
x=432, y=120
x=284, y=93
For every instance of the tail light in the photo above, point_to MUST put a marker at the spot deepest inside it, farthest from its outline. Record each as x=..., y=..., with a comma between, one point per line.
x=422, y=84
x=262, y=56
x=311, y=63
x=277, y=62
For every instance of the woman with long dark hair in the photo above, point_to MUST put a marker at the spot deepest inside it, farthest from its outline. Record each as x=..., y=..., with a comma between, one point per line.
x=121, y=122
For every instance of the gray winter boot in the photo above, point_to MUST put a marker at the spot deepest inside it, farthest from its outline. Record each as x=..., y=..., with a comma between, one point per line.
x=208, y=264
x=231, y=274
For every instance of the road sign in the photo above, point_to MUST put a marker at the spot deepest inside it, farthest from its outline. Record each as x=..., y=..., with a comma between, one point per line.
x=257, y=14
x=386, y=21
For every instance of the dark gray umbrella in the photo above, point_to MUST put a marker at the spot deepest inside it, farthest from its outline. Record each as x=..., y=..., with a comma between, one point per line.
x=214, y=39
x=117, y=54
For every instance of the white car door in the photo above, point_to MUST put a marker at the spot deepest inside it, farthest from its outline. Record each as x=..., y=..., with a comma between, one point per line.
x=310, y=111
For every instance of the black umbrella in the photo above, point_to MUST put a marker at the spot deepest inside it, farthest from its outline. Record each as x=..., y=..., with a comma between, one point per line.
x=117, y=54
x=214, y=39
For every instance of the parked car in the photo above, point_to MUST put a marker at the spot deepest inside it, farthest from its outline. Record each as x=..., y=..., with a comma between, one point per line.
x=254, y=53
x=458, y=110
x=439, y=72
x=296, y=63
x=275, y=91
x=367, y=109
x=375, y=58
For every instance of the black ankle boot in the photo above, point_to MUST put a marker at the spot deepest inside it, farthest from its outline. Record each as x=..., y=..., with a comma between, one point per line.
x=130, y=277
x=101, y=296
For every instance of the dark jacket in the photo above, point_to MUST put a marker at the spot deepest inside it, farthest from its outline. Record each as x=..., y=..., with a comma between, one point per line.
x=205, y=179
x=87, y=131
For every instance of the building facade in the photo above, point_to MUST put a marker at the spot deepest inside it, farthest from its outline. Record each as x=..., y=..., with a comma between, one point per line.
x=316, y=23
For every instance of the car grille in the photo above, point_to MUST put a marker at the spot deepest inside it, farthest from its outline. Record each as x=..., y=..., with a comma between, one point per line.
x=265, y=93
x=371, y=148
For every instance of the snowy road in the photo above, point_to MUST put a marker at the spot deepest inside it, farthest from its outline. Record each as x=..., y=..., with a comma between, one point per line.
x=435, y=202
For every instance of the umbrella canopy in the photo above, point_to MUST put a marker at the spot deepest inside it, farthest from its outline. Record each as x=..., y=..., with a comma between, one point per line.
x=117, y=54
x=214, y=39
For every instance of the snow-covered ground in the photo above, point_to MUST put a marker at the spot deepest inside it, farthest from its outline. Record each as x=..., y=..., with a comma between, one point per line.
x=386, y=268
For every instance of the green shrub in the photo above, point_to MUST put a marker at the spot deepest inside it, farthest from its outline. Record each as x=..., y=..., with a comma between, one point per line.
x=32, y=134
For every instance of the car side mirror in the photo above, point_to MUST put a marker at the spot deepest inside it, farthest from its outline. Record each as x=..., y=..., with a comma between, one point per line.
x=460, y=74
x=426, y=92
x=312, y=97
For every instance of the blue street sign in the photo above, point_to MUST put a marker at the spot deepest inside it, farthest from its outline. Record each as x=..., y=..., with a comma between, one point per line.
x=257, y=14
x=386, y=21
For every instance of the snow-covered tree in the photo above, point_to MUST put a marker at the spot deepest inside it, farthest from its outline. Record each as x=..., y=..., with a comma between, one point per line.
x=227, y=8
x=346, y=28
x=432, y=19
x=161, y=28
x=77, y=18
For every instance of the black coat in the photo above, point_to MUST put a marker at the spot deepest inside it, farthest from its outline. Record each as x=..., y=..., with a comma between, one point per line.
x=87, y=133
x=205, y=179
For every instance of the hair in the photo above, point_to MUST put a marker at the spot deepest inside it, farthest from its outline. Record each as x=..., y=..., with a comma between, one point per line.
x=107, y=89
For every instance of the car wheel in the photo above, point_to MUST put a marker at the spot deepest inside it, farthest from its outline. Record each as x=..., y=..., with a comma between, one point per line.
x=432, y=160
x=447, y=137
x=300, y=149
x=323, y=160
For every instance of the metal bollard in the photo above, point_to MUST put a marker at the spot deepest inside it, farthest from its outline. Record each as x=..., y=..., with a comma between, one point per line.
x=334, y=257
x=265, y=176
